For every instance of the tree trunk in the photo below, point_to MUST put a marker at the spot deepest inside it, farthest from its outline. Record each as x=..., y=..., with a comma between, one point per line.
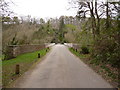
x=98, y=19
x=107, y=15
x=91, y=8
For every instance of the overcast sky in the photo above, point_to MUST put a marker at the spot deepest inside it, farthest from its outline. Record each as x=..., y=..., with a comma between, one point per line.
x=43, y=8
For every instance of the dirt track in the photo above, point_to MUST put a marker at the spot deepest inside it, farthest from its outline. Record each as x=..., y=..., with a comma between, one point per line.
x=61, y=69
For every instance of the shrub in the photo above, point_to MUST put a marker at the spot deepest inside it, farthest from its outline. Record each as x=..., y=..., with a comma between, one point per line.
x=85, y=50
x=107, y=50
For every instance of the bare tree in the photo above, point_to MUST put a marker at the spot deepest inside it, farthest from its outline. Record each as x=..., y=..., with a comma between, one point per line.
x=96, y=9
x=4, y=8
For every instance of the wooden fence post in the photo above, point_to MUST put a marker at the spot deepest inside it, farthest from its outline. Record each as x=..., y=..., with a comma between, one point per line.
x=76, y=50
x=17, y=70
x=48, y=48
x=38, y=55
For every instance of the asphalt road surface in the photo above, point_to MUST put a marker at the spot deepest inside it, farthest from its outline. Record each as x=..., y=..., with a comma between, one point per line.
x=61, y=69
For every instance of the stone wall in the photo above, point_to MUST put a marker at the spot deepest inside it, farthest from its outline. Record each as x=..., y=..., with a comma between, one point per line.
x=49, y=44
x=76, y=46
x=15, y=50
x=69, y=44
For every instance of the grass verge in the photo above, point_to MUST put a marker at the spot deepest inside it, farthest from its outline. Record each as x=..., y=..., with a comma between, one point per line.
x=108, y=72
x=25, y=61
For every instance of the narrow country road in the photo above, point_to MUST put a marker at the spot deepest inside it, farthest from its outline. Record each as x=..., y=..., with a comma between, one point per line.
x=61, y=69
